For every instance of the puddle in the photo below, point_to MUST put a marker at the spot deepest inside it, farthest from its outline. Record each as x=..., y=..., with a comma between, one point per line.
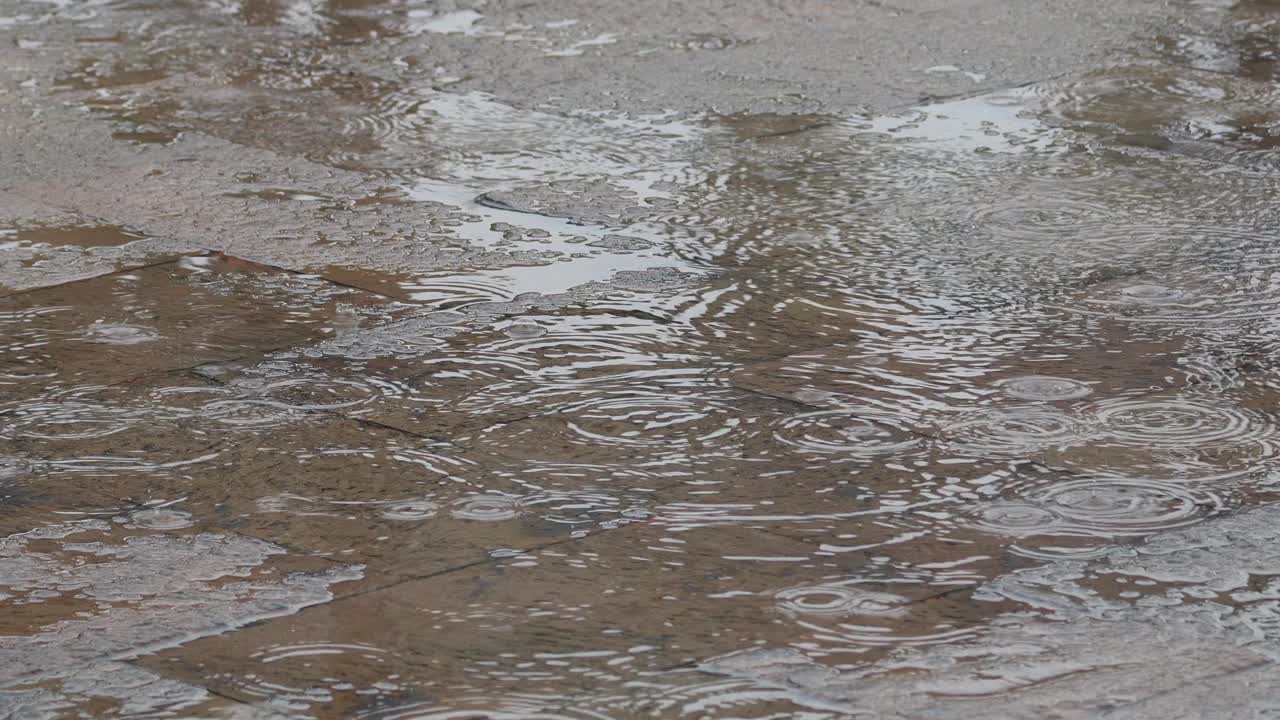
x=165, y=317
x=527, y=411
x=80, y=236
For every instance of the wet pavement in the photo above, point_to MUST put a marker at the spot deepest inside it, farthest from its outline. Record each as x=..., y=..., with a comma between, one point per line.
x=413, y=360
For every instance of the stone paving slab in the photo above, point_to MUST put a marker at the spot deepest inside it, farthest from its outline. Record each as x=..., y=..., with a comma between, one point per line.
x=562, y=619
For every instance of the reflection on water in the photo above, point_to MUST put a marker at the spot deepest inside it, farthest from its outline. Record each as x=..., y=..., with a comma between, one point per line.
x=582, y=415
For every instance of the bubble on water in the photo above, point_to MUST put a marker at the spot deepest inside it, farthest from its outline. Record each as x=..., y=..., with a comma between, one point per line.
x=1180, y=423
x=839, y=601
x=858, y=433
x=525, y=329
x=1013, y=432
x=159, y=519
x=1044, y=388
x=120, y=334
x=410, y=510
x=487, y=508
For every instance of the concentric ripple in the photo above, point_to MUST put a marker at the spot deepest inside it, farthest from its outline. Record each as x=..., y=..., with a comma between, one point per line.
x=583, y=507
x=410, y=510
x=1126, y=507
x=1077, y=519
x=1016, y=431
x=523, y=329
x=839, y=601
x=56, y=419
x=1179, y=423
x=1142, y=301
x=319, y=393
x=120, y=334
x=1044, y=388
x=1015, y=518
x=487, y=508
x=248, y=414
x=858, y=433
x=159, y=519
x=276, y=653
x=652, y=421
x=1041, y=217
x=1206, y=297
x=1154, y=294
x=285, y=673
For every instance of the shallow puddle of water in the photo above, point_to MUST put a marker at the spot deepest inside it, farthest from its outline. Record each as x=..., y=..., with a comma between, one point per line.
x=165, y=317
x=570, y=414
x=80, y=236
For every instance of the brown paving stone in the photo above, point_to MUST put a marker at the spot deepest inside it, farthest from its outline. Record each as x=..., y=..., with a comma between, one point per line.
x=400, y=505
x=164, y=317
x=78, y=235
x=315, y=482
x=564, y=618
